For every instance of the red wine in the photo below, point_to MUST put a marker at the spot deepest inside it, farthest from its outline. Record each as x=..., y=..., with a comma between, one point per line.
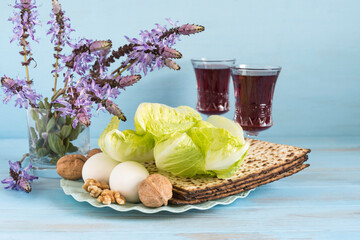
x=213, y=89
x=253, y=101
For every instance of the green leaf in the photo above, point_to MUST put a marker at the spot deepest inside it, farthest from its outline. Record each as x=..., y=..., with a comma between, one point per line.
x=33, y=133
x=65, y=131
x=68, y=120
x=40, y=143
x=66, y=144
x=50, y=124
x=126, y=145
x=41, y=152
x=41, y=105
x=34, y=114
x=41, y=125
x=56, y=144
x=46, y=103
x=54, y=160
x=61, y=121
x=72, y=148
x=75, y=132
x=160, y=120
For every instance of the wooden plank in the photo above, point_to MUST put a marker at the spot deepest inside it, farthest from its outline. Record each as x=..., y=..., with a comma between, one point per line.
x=321, y=202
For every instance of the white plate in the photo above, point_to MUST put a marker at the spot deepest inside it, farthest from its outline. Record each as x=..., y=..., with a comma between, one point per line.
x=74, y=188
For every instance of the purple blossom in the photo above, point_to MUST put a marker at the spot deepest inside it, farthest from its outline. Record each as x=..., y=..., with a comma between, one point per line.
x=24, y=95
x=25, y=20
x=60, y=27
x=19, y=178
x=153, y=49
x=84, y=54
x=60, y=30
x=77, y=105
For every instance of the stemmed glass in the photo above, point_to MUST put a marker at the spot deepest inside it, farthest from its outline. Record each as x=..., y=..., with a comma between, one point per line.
x=254, y=89
x=213, y=79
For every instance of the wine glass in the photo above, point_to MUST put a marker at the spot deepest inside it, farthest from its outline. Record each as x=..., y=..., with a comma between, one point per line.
x=213, y=79
x=254, y=89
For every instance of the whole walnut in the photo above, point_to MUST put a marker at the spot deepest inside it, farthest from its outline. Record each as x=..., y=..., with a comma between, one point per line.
x=155, y=190
x=92, y=152
x=70, y=166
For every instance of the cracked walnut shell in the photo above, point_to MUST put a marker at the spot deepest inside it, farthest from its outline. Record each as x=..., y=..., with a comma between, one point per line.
x=155, y=190
x=70, y=166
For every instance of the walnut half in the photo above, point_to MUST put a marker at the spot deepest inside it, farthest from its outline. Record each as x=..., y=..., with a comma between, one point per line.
x=110, y=196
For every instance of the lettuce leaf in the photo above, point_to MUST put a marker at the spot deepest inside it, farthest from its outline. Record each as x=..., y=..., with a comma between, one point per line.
x=126, y=145
x=160, y=120
x=178, y=155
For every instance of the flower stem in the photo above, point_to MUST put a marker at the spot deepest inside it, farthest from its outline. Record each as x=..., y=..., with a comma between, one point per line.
x=24, y=156
x=124, y=69
x=26, y=66
x=56, y=66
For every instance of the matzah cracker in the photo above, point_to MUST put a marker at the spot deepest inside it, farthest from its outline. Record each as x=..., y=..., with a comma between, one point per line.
x=230, y=187
x=262, y=157
x=195, y=201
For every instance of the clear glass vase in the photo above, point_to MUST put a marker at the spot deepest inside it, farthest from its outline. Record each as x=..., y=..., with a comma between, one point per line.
x=50, y=138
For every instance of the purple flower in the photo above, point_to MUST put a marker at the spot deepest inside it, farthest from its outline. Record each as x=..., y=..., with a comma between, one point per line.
x=25, y=21
x=24, y=95
x=153, y=49
x=19, y=178
x=60, y=27
x=77, y=105
x=60, y=30
x=84, y=53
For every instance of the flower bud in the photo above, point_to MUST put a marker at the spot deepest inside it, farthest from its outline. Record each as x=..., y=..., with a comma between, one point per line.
x=100, y=45
x=56, y=6
x=188, y=29
x=170, y=53
x=171, y=64
x=83, y=119
x=113, y=109
x=7, y=82
x=129, y=80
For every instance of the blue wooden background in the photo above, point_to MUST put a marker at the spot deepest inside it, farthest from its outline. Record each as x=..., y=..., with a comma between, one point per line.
x=316, y=42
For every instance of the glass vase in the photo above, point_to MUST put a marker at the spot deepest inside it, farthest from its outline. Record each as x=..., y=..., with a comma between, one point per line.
x=51, y=137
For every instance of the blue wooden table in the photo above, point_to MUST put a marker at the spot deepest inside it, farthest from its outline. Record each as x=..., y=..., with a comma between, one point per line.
x=321, y=202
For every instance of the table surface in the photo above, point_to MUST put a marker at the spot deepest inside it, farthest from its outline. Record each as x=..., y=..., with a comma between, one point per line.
x=321, y=202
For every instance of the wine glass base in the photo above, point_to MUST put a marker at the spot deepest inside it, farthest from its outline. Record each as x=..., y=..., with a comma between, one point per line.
x=252, y=133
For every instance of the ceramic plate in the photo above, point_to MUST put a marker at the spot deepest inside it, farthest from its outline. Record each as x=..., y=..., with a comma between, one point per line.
x=74, y=188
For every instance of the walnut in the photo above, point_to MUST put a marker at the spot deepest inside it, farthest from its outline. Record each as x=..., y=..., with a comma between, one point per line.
x=70, y=166
x=94, y=191
x=155, y=190
x=92, y=182
x=110, y=196
x=92, y=152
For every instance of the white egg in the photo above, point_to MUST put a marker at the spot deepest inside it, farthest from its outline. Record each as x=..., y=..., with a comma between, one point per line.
x=99, y=167
x=125, y=179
